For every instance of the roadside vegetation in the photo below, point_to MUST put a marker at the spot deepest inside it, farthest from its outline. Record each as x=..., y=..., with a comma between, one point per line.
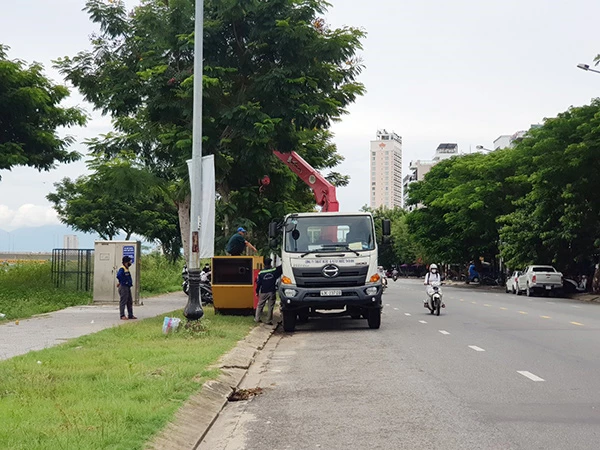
x=113, y=389
x=26, y=288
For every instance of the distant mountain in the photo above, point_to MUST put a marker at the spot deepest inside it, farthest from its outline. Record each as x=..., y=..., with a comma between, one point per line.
x=43, y=239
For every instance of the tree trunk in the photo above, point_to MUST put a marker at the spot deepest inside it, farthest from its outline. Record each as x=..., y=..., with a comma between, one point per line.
x=183, y=209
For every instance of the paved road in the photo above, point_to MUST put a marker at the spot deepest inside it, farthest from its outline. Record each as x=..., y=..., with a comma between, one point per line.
x=494, y=371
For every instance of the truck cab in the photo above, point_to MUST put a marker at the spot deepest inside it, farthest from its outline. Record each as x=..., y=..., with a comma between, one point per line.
x=329, y=263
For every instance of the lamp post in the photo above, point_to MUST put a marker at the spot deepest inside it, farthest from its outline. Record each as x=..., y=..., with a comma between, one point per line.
x=193, y=309
x=587, y=68
x=481, y=147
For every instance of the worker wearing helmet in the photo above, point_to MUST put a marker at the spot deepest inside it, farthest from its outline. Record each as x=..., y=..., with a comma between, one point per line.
x=432, y=278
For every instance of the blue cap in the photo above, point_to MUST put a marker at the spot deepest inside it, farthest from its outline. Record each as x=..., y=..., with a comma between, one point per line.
x=241, y=229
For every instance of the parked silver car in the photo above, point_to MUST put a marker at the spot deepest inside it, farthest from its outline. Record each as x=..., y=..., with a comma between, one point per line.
x=512, y=282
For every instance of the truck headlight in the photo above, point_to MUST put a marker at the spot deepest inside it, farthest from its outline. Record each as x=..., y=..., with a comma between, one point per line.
x=290, y=292
x=371, y=290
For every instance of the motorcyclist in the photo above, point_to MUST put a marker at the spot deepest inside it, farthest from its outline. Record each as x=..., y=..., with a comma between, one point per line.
x=432, y=278
x=395, y=274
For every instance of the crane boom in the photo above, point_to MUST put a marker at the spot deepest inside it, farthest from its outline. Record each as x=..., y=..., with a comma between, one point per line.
x=323, y=190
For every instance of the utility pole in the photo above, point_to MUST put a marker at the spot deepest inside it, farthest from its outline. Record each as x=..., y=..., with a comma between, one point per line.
x=193, y=309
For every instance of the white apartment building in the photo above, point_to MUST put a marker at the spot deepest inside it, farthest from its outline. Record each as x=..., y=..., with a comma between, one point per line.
x=386, y=170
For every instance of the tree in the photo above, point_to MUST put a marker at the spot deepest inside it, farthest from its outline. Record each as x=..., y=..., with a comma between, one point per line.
x=276, y=76
x=30, y=115
x=556, y=221
x=462, y=198
x=119, y=197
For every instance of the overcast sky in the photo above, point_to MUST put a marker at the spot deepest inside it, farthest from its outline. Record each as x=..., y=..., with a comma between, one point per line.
x=464, y=71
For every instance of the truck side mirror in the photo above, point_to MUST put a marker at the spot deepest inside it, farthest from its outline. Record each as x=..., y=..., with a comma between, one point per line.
x=386, y=227
x=273, y=243
x=272, y=230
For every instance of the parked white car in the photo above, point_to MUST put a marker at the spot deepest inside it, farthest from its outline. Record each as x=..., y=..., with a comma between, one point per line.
x=511, y=282
x=538, y=279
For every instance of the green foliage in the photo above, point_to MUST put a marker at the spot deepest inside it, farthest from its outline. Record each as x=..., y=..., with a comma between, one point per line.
x=275, y=77
x=535, y=203
x=30, y=115
x=462, y=198
x=112, y=389
x=557, y=221
x=119, y=196
x=159, y=275
x=400, y=249
x=27, y=289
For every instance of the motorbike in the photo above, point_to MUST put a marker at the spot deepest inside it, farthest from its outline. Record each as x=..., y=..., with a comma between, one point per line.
x=435, y=301
x=384, y=283
x=206, y=295
x=395, y=277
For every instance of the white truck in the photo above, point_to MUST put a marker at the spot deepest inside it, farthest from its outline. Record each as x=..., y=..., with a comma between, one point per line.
x=329, y=263
x=538, y=279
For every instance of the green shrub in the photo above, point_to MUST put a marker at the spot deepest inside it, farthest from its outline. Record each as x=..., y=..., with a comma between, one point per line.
x=26, y=289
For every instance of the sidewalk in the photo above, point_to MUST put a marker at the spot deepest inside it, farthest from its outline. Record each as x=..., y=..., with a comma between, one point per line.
x=48, y=330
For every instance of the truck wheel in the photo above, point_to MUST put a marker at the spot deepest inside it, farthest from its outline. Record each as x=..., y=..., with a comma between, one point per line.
x=374, y=318
x=289, y=321
x=528, y=291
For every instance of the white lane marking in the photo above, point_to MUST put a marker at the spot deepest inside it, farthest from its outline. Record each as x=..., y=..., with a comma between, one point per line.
x=387, y=304
x=551, y=303
x=503, y=308
x=523, y=312
x=485, y=304
x=422, y=321
x=577, y=323
x=407, y=314
x=443, y=331
x=546, y=317
x=395, y=309
x=575, y=306
x=529, y=375
x=477, y=349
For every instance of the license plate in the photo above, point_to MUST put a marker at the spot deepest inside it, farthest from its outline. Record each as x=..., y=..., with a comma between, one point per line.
x=548, y=288
x=332, y=293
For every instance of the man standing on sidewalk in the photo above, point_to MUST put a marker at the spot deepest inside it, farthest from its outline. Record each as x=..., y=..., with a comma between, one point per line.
x=124, y=285
x=265, y=288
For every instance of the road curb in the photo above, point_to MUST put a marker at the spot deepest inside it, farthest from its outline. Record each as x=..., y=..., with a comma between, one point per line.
x=193, y=420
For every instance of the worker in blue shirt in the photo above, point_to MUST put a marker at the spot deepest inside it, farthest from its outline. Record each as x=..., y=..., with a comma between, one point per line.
x=124, y=285
x=266, y=285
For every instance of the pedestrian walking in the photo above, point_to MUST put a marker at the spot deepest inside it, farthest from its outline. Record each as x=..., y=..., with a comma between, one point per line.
x=266, y=284
x=124, y=285
x=238, y=243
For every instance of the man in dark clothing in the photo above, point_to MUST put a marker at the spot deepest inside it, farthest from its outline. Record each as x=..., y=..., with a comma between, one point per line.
x=238, y=243
x=124, y=285
x=265, y=288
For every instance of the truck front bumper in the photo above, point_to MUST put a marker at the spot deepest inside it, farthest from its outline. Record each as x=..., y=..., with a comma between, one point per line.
x=356, y=296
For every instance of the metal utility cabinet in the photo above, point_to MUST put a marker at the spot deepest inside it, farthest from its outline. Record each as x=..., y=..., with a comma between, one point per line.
x=108, y=256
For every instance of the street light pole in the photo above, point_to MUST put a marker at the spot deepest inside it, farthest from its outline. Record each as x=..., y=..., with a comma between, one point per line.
x=587, y=68
x=481, y=147
x=193, y=309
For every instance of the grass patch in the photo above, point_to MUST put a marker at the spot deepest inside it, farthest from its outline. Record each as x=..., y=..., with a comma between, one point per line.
x=114, y=389
x=158, y=275
x=26, y=289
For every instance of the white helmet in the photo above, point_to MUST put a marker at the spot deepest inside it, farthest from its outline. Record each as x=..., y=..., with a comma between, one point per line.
x=433, y=266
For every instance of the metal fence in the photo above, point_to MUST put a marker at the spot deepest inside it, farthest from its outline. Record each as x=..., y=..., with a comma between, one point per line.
x=73, y=268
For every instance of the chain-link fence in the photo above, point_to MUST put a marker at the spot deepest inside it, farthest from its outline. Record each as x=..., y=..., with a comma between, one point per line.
x=73, y=268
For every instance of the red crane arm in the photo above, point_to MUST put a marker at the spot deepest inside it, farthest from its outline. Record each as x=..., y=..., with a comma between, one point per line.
x=323, y=190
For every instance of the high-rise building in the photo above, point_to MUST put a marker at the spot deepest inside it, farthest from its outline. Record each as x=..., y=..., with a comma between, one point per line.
x=386, y=170
x=70, y=241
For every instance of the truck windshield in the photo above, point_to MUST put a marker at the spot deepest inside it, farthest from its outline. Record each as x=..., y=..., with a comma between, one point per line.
x=329, y=234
